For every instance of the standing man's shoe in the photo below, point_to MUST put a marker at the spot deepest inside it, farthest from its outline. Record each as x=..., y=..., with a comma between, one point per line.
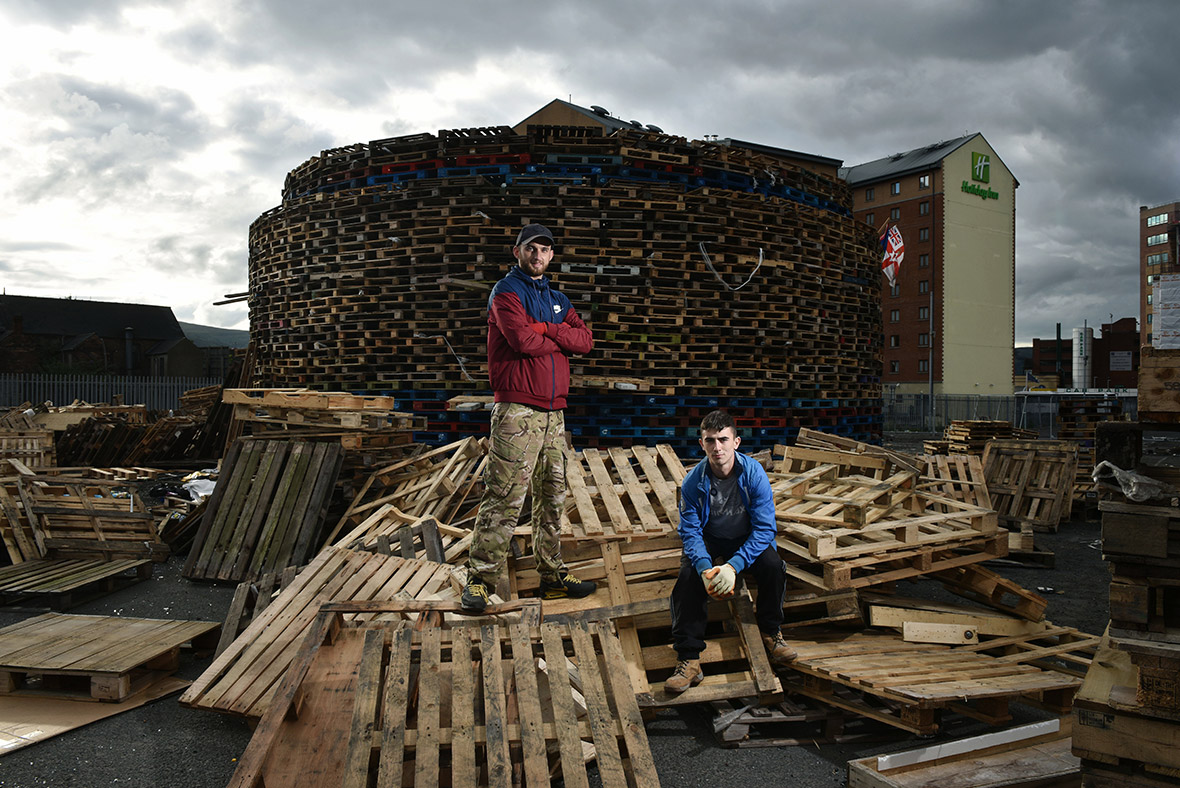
x=475, y=594
x=565, y=586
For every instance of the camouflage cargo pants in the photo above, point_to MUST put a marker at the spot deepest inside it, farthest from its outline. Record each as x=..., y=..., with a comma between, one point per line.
x=527, y=450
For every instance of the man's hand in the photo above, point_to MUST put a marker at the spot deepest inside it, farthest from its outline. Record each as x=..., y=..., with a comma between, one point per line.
x=719, y=581
x=538, y=328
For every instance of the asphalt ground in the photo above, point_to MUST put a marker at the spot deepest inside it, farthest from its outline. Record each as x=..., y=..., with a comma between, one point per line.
x=164, y=744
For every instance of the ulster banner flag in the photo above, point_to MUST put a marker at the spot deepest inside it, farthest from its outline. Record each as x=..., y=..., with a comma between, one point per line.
x=894, y=250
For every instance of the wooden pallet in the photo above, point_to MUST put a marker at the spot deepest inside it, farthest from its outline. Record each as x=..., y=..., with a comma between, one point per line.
x=813, y=448
x=624, y=493
x=288, y=409
x=249, y=600
x=908, y=685
x=1037, y=754
x=32, y=447
x=266, y=511
x=243, y=678
x=97, y=518
x=745, y=723
x=822, y=516
x=488, y=705
x=62, y=583
x=1031, y=481
x=959, y=477
x=94, y=657
x=870, y=570
x=388, y=530
x=981, y=584
x=444, y=482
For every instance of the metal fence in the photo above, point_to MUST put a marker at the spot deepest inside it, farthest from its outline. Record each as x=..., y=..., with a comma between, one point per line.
x=1029, y=410
x=155, y=393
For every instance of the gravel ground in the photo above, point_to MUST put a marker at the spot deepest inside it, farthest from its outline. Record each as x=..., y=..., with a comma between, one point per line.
x=164, y=744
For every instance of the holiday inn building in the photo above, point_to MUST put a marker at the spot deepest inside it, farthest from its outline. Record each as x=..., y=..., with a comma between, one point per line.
x=949, y=318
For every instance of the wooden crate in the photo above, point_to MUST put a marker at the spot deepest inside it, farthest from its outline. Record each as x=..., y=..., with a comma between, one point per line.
x=474, y=705
x=95, y=657
x=1159, y=385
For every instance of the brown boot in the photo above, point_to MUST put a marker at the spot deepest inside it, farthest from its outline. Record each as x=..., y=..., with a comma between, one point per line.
x=777, y=649
x=687, y=674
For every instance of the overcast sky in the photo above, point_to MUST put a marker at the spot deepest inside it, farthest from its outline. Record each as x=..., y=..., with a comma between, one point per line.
x=139, y=141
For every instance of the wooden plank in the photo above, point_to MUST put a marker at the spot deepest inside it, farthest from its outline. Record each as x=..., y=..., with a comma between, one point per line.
x=532, y=736
x=565, y=720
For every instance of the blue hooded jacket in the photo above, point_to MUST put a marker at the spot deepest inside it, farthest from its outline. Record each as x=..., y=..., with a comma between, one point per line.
x=754, y=486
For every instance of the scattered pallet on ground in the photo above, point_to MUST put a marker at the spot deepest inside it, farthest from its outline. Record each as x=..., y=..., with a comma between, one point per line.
x=472, y=705
x=624, y=493
x=94, y=657
x=243, y=678
x=909, y=685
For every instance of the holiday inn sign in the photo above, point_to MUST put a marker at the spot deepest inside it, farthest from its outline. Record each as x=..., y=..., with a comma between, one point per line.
x=981, y=171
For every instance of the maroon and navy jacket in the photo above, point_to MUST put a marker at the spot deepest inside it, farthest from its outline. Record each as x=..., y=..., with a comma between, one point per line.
x=524, y=366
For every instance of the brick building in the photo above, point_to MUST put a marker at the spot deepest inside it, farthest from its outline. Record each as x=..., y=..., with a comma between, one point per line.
x=949, y=320
x=1159, y=248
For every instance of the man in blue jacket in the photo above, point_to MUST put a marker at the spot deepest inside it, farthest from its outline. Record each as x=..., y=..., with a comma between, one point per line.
x=727, y=527
x=532, y=331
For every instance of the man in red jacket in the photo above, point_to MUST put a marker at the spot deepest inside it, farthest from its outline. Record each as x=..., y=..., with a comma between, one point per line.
x=532, y=331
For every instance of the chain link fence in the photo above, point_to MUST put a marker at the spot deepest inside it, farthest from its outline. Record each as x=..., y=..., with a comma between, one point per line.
x=1030, y=410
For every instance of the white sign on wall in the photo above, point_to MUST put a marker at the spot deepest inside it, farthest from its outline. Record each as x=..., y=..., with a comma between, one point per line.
x=1165, y=308
x=1120, y=361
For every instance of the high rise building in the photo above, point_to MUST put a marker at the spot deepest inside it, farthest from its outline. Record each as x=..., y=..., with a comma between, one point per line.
x=949, y=319
x=1159, y=247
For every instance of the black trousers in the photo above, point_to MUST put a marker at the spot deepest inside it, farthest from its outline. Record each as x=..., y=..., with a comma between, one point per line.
x=690, y=600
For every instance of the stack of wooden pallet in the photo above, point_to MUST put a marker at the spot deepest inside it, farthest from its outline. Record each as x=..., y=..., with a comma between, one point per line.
x=971, y=436
x=373, y=274
x=1127, y=722
x=1077, y=419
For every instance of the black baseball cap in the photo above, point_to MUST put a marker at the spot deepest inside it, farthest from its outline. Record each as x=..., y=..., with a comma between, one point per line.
x=531, y=232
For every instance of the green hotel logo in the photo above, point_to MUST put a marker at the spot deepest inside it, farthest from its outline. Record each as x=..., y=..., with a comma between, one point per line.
x=981, y=167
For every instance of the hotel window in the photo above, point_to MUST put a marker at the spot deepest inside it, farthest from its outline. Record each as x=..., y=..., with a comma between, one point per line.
x=871, y=219
x=924, y=286
x=894, y=367
x=894, y=340
x=923, y=181
x=895, y=290
x=1149, y=318
x=895, y=187
x=923, y=365
x=924, y=234
x=1159, y=218
x=923, y=313
x=1152, y=240
x=1149, y=278
x=923, y=340
x=923, y=207
x=895, y=316
x=1149, y=299
x=1156, y=259
x=923, y=261
x=869, y=194
x=895, y=214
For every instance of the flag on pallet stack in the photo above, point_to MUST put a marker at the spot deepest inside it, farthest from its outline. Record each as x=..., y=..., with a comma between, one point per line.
x=893, y=248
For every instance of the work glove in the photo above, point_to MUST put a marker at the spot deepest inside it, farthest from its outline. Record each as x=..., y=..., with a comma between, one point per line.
x=538, y=328
x=719, y=581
